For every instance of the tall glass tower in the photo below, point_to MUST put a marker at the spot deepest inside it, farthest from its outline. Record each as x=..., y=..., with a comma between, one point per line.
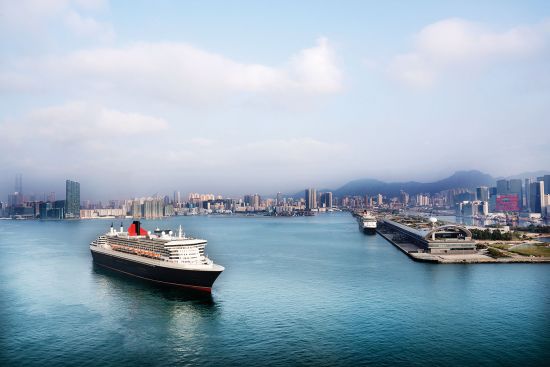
x=72, y=199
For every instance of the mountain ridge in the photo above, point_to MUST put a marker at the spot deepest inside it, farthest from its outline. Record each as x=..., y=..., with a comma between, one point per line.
x=468, y=179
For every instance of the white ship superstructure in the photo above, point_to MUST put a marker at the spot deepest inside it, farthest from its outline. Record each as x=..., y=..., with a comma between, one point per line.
x=367, y=222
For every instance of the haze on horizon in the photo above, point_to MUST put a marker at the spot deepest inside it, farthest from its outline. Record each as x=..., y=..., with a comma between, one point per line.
x=137, y=98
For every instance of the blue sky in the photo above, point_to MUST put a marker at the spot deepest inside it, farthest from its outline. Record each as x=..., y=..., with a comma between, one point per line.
x=257, y=96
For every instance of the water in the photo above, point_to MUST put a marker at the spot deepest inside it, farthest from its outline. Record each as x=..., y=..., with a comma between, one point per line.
x=296, y=291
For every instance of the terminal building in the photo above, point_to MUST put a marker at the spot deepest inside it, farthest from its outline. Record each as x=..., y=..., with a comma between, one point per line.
x=445, y=239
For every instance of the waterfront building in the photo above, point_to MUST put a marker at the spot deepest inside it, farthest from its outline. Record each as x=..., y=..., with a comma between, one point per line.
x=19, y=183
x=445, y=239
x=72, y=199
x=177, y=199
x=256, y=200
x=136, y=209
x=43, y=210
x=279, y=199
x=57, y=210
x=482, y=193
x=326, y=200
x=248, y=200
x=311, y=199
x=536, y=198
x=472, y=208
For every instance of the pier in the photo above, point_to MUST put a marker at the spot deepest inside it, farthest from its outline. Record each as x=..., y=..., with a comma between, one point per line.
x=422, y=241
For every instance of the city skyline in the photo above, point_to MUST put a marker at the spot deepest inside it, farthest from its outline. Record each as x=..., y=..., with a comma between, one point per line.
x=288, y=92
x=470, y=194
x=36, y=192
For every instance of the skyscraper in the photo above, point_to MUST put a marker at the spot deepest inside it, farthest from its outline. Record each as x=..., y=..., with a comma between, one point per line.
x=177, y=198
x=509, y=195
x=526, y=193
x=502, y=187
x=404, y=198
x=482, y=193
x=546, y=179
x=516, y=188
x=326, y=200
x=536, y=197
x=19, y=183
x=311, y=199
x=72, y=199
x=256, y=201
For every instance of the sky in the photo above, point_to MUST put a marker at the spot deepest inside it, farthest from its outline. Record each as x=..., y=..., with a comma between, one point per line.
x=135, y=98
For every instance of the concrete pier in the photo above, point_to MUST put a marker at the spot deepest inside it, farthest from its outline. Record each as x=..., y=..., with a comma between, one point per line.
x=417, y=253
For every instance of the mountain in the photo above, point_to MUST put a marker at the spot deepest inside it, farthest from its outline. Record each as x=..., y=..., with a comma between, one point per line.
x=524, y=175
x=460, y=179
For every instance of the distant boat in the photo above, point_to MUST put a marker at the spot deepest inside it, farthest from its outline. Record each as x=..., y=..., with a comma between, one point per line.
x=367, y=222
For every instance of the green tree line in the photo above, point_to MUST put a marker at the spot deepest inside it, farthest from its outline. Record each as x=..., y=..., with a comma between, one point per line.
x=486, y=234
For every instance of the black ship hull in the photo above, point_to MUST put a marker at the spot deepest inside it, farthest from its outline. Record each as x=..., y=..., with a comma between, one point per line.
x=369, y=230
x=201, y=280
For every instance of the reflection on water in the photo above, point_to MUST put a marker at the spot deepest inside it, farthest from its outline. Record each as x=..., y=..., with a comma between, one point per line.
x=114, y=281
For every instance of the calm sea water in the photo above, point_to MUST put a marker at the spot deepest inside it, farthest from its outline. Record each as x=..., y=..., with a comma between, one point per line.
x=296, y=291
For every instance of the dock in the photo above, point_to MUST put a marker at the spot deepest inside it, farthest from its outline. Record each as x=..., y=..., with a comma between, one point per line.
x=425, y=246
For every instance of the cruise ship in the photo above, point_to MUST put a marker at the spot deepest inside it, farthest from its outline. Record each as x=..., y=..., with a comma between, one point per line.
x=367, y=222
x=159, y=256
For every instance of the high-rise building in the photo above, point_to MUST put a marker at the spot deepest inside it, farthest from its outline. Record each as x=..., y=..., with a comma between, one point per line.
x=492, y=198
x=546, y=179
x=136, y=209
x=311, y=199
x=509, y=195
x=248, y=199
x=516, y=188
x=72, y=199
x=19, y=183
x=526, y=194
x=256, y=201
x=177, y=198
x=536, y=197
x=482, y=193
x=380, y=200
x=326, y=200
x=502, y=187
x=404, y=198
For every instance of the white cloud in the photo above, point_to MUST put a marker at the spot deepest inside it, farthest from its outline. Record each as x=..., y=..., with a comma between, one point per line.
x=78, y=123
x=179, y=73
x=94, y=142
x=41, y=16
x=456, y=44
x=89, y=27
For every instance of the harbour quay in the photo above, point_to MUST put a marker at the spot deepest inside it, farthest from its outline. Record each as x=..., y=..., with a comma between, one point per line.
x=427, y=240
